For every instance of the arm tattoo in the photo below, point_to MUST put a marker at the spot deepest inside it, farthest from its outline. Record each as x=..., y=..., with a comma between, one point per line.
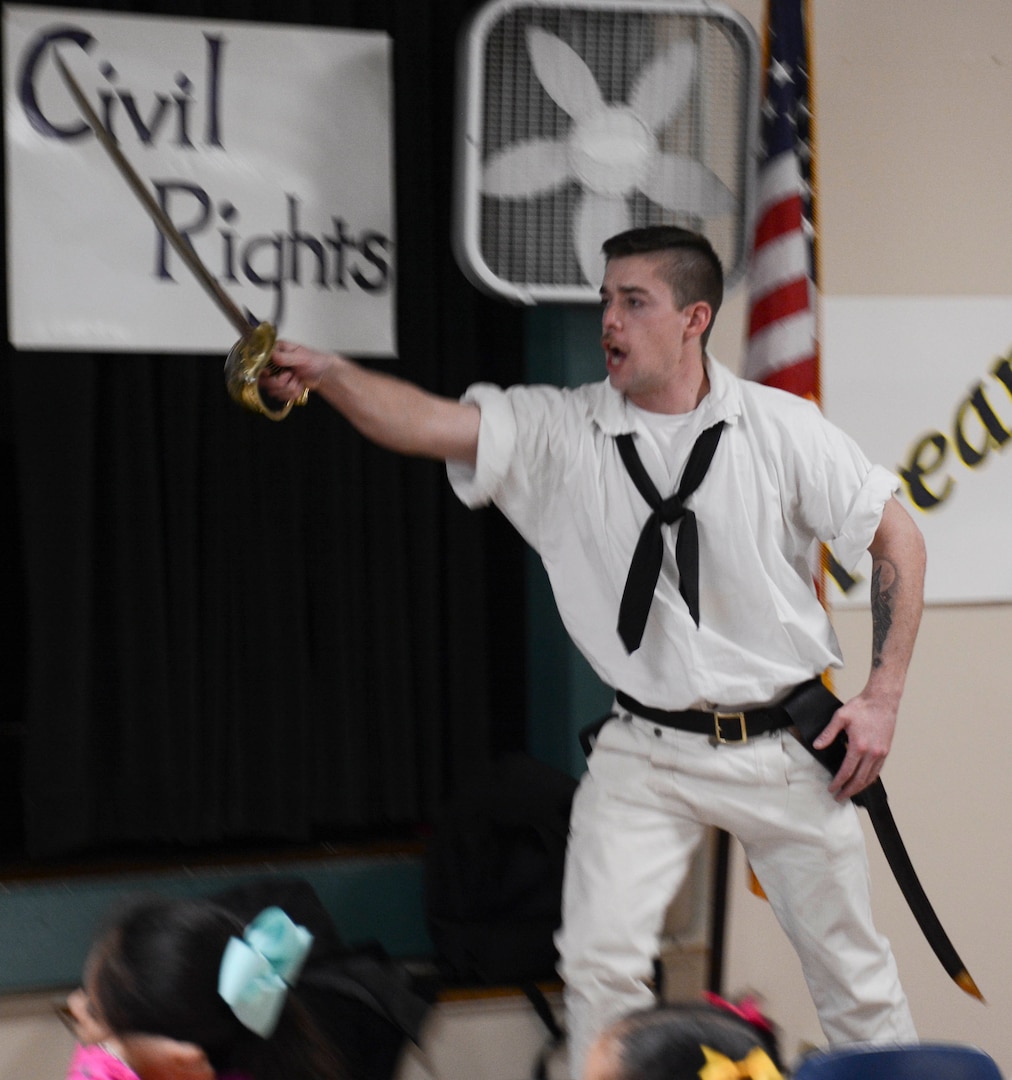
x=883, y=593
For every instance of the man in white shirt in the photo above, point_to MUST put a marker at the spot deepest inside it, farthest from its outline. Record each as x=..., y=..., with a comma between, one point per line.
x=701, y=660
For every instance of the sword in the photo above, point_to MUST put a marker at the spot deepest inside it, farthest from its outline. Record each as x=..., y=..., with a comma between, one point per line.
x=251, y=354
x=811, y=709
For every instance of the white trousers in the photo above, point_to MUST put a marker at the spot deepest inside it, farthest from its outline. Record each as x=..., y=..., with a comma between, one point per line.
x=640, y=813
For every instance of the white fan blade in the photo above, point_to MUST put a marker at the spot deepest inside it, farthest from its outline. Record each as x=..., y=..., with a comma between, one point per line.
x=663, y=85
x=679, y=183
x=563, y=73
x=526, y=168
x=596, y=219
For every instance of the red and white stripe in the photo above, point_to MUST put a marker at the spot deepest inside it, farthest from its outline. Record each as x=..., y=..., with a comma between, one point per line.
x=783, y=334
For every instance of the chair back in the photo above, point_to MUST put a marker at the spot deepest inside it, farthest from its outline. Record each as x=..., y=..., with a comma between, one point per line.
x=920, y=1061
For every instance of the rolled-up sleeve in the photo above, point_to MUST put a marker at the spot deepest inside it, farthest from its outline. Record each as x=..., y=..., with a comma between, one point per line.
x=497, y=437
x=862, y=521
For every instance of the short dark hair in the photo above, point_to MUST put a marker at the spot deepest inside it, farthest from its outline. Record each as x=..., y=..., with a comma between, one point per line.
x=665, y=1042
x=689, y=264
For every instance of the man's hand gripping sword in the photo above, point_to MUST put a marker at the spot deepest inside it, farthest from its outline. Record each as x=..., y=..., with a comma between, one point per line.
x=251, y=354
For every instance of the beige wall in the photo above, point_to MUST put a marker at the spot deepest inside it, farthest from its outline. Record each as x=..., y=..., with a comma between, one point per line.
x=914, y=113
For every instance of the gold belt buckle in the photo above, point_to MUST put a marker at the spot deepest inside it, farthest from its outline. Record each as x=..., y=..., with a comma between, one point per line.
x=718, y=720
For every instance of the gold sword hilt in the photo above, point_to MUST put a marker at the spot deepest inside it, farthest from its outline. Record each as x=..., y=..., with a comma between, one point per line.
x=247, y=360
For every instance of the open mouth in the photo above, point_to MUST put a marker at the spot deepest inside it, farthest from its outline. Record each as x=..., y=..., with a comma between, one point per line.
x=614, y=359
x=613, y=355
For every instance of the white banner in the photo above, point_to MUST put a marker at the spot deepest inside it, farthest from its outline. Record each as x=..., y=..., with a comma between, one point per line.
x=924, y=384
x=269, y=147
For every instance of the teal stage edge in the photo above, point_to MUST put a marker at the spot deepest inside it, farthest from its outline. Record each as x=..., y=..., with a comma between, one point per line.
x=47, y=927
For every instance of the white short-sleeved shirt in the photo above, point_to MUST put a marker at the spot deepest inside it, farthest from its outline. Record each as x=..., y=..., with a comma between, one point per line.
x=783, y=479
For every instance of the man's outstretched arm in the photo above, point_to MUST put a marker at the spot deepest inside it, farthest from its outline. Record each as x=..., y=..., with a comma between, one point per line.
x=389, y=411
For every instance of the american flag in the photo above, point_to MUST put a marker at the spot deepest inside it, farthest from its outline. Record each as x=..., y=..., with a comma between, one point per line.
x=783, y=348
x=783, y=338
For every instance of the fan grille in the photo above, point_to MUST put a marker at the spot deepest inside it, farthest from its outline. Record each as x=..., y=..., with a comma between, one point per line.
x=522, y=247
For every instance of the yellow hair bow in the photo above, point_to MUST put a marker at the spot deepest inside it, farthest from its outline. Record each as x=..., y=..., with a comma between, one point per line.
x=756, y=1065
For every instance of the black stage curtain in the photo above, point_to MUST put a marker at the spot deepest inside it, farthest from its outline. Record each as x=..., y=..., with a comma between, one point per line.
x=228, y=630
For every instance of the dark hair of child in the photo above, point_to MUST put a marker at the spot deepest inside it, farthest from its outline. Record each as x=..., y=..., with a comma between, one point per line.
x=666, y=1042
x=155, y=972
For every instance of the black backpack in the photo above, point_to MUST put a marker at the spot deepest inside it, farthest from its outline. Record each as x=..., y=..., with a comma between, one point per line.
x=493, y=874
x=493, y=882
x=363, y=1002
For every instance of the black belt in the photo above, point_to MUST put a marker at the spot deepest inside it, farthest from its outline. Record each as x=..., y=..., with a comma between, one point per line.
x=723, y=727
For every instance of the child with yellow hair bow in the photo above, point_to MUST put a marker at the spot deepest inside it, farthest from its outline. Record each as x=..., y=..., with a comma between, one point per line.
x=685, y=1042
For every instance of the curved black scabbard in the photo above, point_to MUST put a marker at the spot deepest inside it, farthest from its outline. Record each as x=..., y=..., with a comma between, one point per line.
x=810, y=708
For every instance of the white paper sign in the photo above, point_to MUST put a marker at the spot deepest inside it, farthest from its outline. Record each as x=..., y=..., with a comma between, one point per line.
x=924, y=384
x=268, y=146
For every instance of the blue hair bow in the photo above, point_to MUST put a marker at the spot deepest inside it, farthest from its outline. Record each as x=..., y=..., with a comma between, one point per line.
x=258, y=969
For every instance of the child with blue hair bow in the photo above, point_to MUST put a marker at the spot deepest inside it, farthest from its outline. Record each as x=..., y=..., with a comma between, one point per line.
x=181, y=990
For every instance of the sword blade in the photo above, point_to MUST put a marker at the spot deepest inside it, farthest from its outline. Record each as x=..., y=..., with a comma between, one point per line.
x=179, y=244
x=811, y=711
x=877, y=805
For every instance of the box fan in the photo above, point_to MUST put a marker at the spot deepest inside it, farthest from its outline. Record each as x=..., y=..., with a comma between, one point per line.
x=580, y=118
